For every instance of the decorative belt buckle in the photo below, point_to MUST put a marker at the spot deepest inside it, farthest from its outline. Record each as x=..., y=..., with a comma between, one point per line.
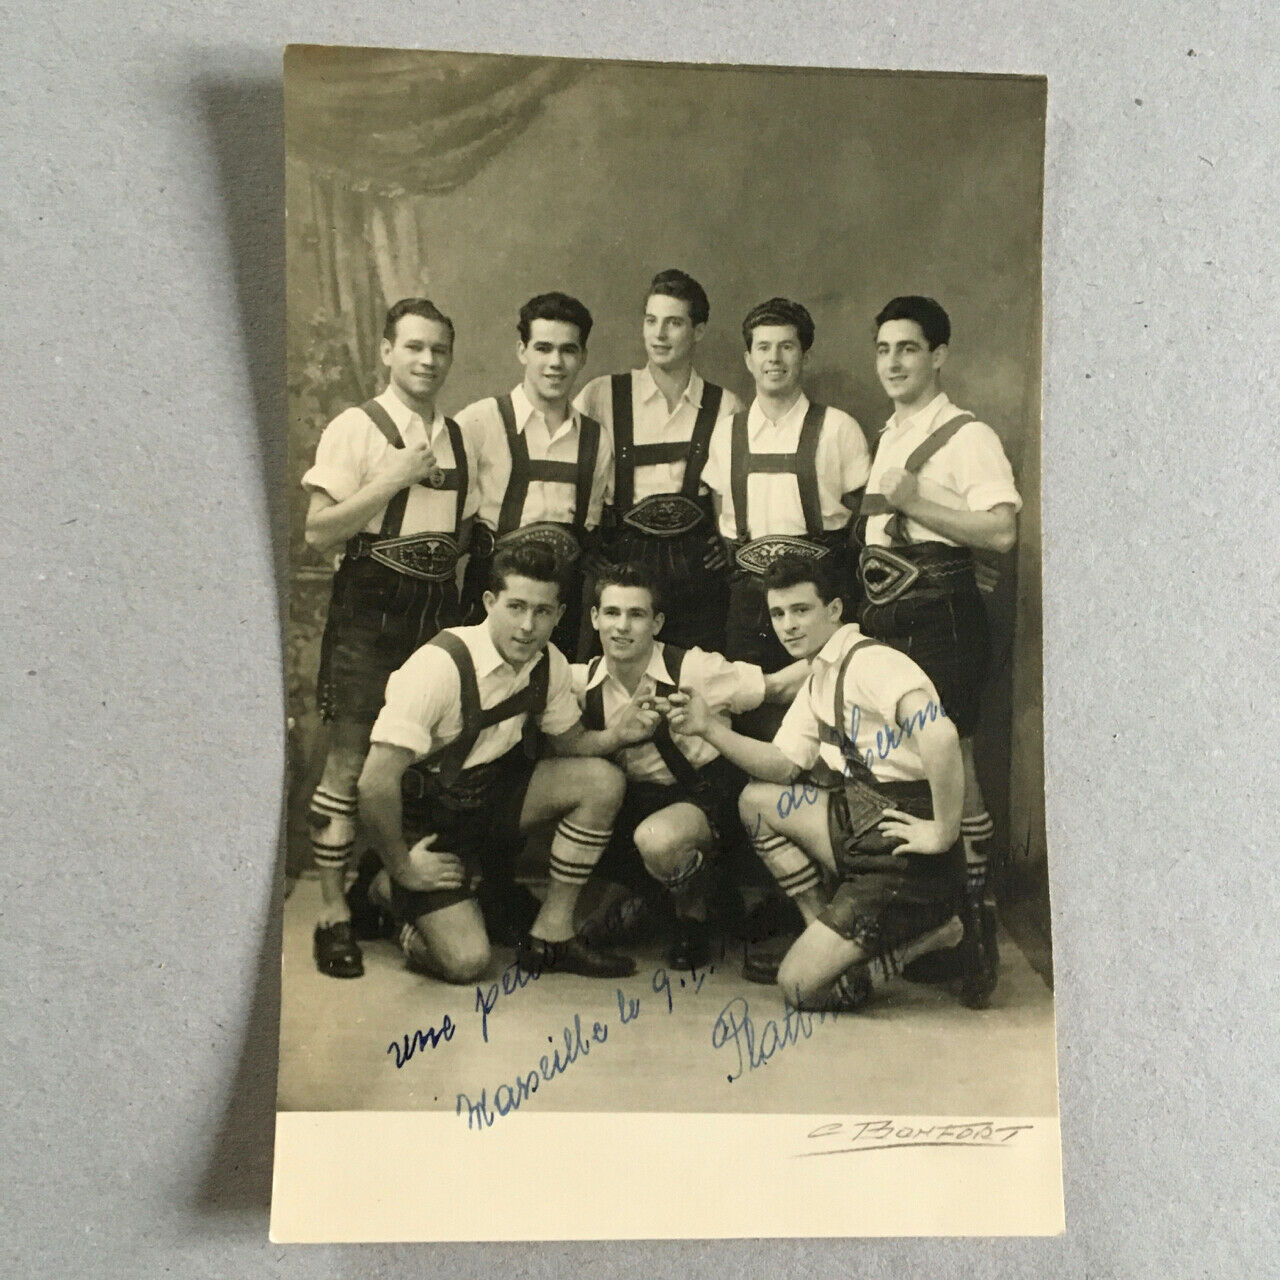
x=756, y=556
x=433, y=557
x=665, y=515
x=886, y=576
x=560, y=542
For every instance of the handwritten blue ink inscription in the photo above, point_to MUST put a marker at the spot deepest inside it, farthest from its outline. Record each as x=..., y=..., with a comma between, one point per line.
x=734, y=1027
x=427, y=1039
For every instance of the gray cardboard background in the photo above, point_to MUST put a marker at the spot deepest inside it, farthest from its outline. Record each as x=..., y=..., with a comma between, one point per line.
x=141, y=756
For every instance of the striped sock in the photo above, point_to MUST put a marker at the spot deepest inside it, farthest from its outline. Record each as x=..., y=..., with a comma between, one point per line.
x=788, y=863
x=332, y=819
x=975, y=830
x=575, y=851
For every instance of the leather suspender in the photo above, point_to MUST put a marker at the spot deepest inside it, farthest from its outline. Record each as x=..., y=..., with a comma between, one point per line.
x=875, y=504
x=855, y=765
x=803, y=464
x=524, y=469
x=455, y=477
x=630, y=455
x=530, y=702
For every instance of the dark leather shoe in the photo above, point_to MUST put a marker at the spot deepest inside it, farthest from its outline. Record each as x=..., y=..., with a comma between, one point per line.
x=935, y=966
x=771, y=916
x=980, y=953
x=336, y=951
x=509, y=911
x=691, y=944
x=537, y=956
x=763, y=959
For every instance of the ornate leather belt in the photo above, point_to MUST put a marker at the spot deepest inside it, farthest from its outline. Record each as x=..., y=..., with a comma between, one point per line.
x=554, y=537
x=665, y=515
x=757, y=555
x=888, y=574
x=433, y=557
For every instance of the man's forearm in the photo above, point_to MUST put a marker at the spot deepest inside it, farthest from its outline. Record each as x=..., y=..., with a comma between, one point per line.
x=994, y=530
x=334, y=524
x=586, y=742
x=381, y=814
x=782, y=686
x=944, y=768
x=760, y=759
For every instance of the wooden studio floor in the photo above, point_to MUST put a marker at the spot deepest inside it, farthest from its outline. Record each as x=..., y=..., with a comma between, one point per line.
x=916, y=1051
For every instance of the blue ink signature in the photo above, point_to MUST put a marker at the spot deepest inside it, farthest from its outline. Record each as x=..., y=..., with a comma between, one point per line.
x=427, y=1039
x=889, y=739
x=512, y=980
x=733, y=1025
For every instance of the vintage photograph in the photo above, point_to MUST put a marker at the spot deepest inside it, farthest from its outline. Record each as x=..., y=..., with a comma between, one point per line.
x=664, y=643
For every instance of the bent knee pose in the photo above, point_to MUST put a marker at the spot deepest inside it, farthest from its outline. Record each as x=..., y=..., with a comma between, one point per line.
x=392, y=490
x=680, y=800
x=940, y=489
x=455, y=776
x=861, y=786
x=660, y=419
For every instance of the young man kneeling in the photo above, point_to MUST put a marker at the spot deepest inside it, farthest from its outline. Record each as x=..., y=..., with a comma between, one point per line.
x=454, y=779
x=863, y=781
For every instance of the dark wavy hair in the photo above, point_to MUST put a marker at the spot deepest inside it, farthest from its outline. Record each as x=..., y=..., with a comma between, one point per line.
x=794, y=571
x=525, y=560
x=934, y=322
x=780, y=311
x=555, y=306
x=628, y=575
x=423, y=307
x=679, y=285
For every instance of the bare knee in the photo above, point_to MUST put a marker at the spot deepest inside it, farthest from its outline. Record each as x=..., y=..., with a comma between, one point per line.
x=462, y=959
x=665, y=853
x=756, y=802
x=601, y=788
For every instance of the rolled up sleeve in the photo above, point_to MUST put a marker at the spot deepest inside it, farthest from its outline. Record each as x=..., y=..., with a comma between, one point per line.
x=419, y=695
x=562, y=711
x=982, y=471
x=340, y=457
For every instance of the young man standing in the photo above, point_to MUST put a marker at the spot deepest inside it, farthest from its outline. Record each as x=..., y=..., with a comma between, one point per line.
x=393, y=490
x=786, y=474
x=660, y=419
x=681, y=799
x=880, y=811
x=454, y=778
x=940, y=489
x=545, y=468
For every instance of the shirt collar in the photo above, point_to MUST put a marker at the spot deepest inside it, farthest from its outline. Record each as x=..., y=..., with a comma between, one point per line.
x=486, y=657
x=834, y=649
x=524, y=410
x=402, y=415
x=649, y=388
x=656, y=670
x=930, y=415
x=792, y=418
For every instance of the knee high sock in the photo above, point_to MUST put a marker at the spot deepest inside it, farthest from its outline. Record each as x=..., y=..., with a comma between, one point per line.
x=332, y=819
x=575, y=850
x=789, y=865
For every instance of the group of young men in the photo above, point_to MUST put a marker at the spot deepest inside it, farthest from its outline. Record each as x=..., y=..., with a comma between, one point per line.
x=703, y=639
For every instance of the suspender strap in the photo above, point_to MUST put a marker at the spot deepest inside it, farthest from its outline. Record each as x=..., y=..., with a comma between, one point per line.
x=624, y=483
x=854, y=763
x=384, y=422
x=803, y=464
x=700, y=441
x=393, y=516
x=807, y=468
x=518, y=484
x=593, y=703
x=529, y=702
x=875, y=504
x=681, y=766
x=739, y=465
x=588, y=450
x=460, y=476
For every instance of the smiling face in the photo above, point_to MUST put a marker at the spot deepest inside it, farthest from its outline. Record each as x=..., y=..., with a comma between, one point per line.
x=418, y=359
x=627, y=623
x=552, y=358
x=522, y=617
x=776, y=359
x=907, y=368
x=670, y=335
x=801, y=619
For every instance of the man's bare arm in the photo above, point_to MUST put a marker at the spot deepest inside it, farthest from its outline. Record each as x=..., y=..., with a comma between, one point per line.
x=688, y=714
x=380, y=811
x=939, y=746
x=994, y=530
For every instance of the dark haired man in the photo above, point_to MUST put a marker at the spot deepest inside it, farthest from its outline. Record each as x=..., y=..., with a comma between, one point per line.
x=864, y=782
x=454, y=778
x=681, y=797
x=785, y=473
x=393, y=494
x=544, y=467
x=660, y=419
x=940, y=489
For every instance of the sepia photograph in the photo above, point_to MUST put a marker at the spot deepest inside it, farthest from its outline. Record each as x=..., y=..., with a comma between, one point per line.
x=665, y=732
